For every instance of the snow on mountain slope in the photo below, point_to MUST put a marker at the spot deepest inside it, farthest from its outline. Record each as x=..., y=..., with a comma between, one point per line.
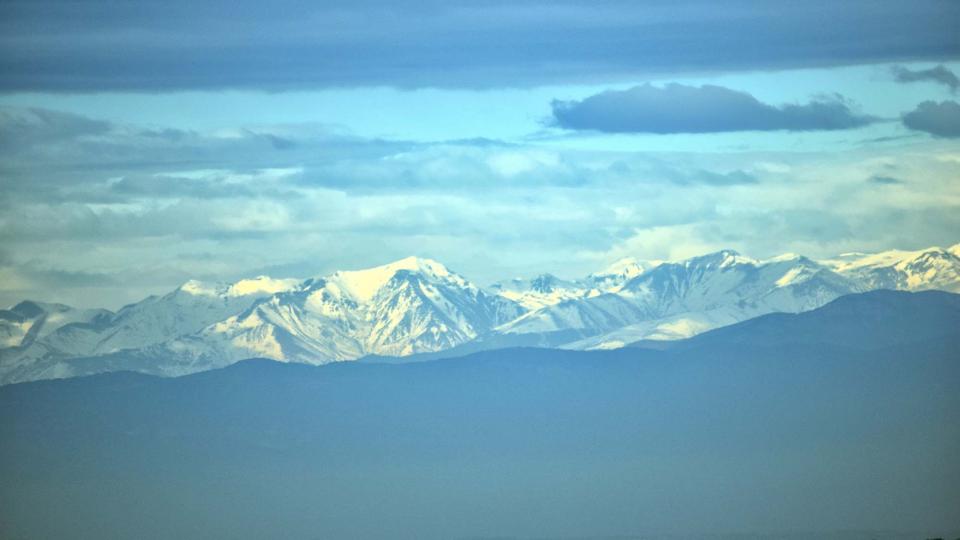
x=363, y=285
x=414, y=313
x=543, y=290
x=619, y=273
x=594, y=314
x=188, y=309
x=725, y=280
x=547, y=289
x=409, y=306
x=786, y=283
x=417, y=305
x=931, y=268
x=318, y=320
x=152, y=321
x=669, y=328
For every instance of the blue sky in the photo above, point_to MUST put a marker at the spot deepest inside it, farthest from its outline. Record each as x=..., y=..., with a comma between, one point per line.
x=141, y=147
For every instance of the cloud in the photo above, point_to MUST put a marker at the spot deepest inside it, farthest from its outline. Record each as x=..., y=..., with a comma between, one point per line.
x=678, y=108
x=24, y=127
x=732, y=178
x=150, y=208
x=938, y=119
x=51, y=156
x=73, y=46
x=215, y=184
x=884, y=180
x=38, y=281
x=683, y=176
x=939, y=74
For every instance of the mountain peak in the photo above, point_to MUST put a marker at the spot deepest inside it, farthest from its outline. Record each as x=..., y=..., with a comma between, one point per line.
x=196, y=287
x=620, y=265
x=29, y=309
x=419, y=264
x=364, y=284
x=853, y=261
x=543, y=283
x=723, y=259
x=930, y=268
x=627, y=268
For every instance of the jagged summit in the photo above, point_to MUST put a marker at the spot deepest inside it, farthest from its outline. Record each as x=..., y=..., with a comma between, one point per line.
x=626, y=267
x=930, y=268
x=723, y=258
x=362, y=285
x=544, y=283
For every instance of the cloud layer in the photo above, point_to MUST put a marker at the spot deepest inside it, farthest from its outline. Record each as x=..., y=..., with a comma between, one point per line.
x=95, y=45
x=678, y=108
x=97, y=213
x=938, y=119
x=939, y=74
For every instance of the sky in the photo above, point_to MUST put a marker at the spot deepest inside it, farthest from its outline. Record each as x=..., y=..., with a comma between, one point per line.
x=145, y=144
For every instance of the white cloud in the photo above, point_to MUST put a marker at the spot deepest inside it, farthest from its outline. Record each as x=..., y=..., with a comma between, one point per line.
x=148, y=217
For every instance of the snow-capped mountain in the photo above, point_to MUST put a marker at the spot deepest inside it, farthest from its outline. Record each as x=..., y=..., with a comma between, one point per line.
x=688, y=303
x=410, y=306
x=543, y=290
x=152, y=321
x=156, y=319
x=417, y=305
x=547, y=289
x=721, y=287
x=619, y=273
x=931, y=268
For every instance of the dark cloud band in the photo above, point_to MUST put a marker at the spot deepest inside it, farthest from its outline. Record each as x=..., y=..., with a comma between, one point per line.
x=95, y=45
x=939, y=75
x=678, y=108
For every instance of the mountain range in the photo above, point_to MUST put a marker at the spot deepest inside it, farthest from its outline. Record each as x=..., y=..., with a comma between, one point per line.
x=416, y=307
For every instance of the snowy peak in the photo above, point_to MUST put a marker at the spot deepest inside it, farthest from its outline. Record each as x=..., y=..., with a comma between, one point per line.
x=414, y=314
x=408, y=306
x=363, y=285
x=195, y=287
x=726, y=258
x=31, y=310
x=725, y=277
x=545, y=283
x=619, y=273
x=931, y=268
x=543, y=290
x=678, y=298
x=627, y=268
